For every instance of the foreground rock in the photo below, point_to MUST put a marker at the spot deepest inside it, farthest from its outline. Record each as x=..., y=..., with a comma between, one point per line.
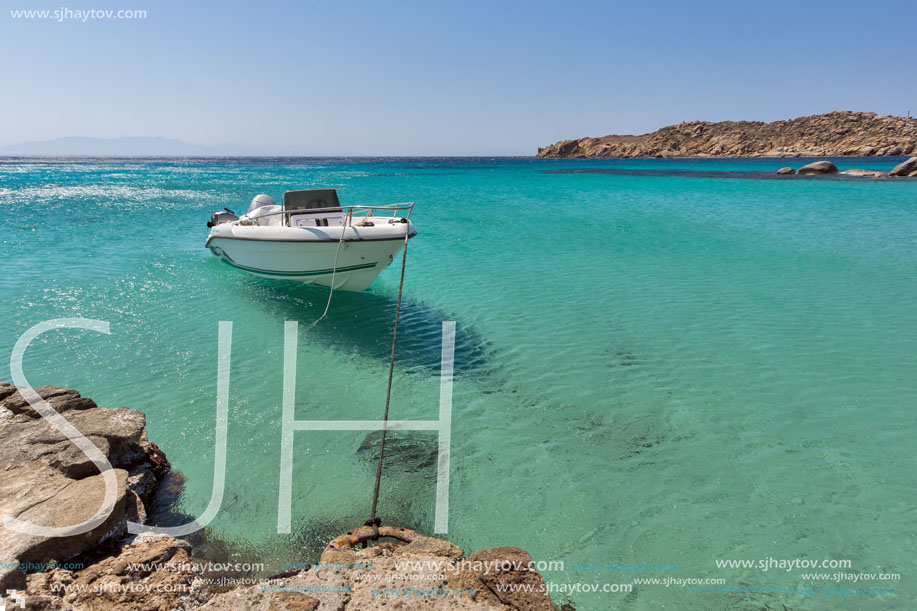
x=908, y=168
x=148, y=572
x=48, y=481
x=426, y=573
x=786, y=171
x=158, y=572
x=834, y=134
x=818, y=167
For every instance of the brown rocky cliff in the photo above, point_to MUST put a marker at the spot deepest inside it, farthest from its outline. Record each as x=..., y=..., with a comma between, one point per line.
x=834, y=134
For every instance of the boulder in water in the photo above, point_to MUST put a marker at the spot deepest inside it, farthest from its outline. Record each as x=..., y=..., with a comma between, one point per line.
x=864, y=173
x=818, y=167
x=906, y=168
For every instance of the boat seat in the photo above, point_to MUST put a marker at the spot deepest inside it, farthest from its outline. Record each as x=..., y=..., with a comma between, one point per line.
x=334, y=219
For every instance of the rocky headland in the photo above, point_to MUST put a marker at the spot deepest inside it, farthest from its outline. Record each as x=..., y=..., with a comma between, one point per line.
x=48, y=481
x=833, y=134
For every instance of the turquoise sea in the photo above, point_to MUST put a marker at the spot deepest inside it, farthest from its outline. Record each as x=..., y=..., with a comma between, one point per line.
x=659, y=362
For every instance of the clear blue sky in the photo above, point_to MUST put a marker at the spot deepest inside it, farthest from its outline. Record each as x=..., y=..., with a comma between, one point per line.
x=431, y=78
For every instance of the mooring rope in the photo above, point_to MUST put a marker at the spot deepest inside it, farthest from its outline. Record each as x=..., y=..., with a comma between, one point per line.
x=373, y=520
x=334, y=271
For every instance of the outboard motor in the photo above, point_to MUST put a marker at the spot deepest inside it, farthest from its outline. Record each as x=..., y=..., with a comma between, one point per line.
x=223, y=216
x=259, y=201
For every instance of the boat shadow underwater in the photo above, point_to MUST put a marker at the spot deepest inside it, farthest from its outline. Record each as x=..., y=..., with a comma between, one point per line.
x=363, y=322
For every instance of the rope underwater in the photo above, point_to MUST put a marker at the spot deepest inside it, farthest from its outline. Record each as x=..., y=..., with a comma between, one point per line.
x=373, y=520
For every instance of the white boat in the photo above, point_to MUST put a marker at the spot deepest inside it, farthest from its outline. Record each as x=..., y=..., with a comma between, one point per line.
x=310, y=237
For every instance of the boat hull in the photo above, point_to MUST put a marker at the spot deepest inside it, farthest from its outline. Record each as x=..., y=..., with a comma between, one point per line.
x=308, y=254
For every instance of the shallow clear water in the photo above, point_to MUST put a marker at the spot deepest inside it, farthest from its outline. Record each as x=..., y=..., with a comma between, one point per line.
x=651, y=369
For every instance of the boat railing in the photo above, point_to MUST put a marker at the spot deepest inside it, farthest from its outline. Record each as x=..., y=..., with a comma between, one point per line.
x=362, y=212
x=350, y=212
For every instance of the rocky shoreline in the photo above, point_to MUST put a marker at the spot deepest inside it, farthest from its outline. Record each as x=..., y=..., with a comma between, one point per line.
x=906, y=169
x=48, y=481
x=833, y=134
